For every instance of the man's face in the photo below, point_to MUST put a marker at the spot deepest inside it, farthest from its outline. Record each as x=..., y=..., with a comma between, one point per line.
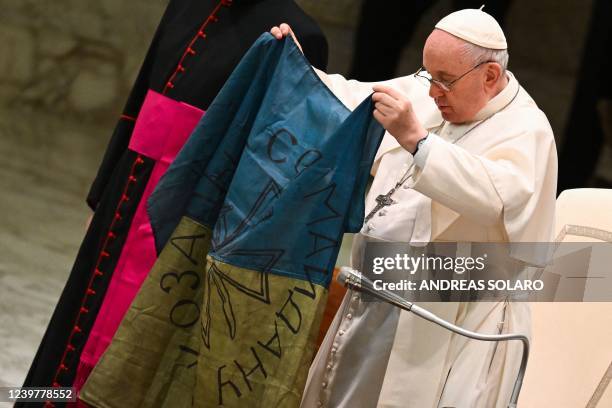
x=445, y=60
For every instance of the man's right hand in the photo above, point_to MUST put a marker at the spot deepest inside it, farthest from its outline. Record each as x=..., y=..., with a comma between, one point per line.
x=284, y=30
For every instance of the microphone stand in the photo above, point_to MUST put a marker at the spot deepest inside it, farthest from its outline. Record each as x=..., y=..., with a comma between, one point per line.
x=355, y=280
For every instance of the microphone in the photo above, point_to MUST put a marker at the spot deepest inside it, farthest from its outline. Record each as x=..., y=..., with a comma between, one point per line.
x=355, y=280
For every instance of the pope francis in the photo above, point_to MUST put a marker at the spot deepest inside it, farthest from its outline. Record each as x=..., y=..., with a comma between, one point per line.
x=468, y=157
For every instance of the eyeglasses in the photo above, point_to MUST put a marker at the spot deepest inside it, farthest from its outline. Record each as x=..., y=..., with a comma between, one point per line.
x=425, y=78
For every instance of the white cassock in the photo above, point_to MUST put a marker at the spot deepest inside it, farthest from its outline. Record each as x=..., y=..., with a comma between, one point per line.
x=493, y=183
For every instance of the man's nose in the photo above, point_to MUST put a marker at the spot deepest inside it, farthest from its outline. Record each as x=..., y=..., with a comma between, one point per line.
x=434, y=90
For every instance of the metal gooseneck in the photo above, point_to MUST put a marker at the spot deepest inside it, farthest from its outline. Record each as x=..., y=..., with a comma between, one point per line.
x=356, y=281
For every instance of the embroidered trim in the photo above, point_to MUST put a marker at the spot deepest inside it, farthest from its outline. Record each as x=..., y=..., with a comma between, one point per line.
x=127, y=117
x=95, y=273
x=180, y=68
x=124, y=197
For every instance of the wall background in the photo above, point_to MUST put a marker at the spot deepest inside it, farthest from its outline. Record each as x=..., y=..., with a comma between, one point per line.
x=78, y=58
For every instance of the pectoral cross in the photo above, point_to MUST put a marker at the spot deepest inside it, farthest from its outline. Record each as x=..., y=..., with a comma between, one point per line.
x=383, y=200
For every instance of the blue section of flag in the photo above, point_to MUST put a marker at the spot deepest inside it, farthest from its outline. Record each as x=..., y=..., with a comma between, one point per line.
x=277, y=165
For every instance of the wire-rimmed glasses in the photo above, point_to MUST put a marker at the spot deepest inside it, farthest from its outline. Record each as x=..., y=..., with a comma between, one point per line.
x=426, y=79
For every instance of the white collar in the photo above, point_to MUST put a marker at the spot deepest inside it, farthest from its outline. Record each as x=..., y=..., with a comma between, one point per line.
x=499, y=101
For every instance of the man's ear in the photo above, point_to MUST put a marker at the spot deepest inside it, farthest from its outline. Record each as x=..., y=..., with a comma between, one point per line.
x=493, y=74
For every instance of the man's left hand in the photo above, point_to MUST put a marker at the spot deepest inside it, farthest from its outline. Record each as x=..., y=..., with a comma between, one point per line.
x=394, y=111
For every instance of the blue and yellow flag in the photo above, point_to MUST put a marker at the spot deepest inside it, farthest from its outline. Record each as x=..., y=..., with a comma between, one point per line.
x=249, y=220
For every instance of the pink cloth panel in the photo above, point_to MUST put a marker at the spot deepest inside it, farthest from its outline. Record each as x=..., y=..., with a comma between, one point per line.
x=162, y=127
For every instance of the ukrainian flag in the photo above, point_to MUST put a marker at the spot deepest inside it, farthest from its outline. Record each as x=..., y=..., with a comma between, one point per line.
x=249, y=220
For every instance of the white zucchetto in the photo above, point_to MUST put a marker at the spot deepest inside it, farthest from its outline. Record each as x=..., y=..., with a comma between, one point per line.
x=476, y=27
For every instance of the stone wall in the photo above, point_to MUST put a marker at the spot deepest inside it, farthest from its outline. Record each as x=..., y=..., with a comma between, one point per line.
x=73, y=57
x=343, y=13
x=80, y=56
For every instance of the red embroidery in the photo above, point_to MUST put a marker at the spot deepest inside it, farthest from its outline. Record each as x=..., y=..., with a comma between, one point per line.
x=189, y=50
x=96, y=272
x=131, y=179
x=126, y=117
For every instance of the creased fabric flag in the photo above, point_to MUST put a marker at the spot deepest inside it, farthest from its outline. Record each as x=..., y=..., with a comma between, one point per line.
x=249, y=219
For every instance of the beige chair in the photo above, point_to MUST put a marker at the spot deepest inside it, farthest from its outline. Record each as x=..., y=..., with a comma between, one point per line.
x=570, y=363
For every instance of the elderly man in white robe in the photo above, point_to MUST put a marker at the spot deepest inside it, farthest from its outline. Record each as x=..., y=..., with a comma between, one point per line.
x=469, y=157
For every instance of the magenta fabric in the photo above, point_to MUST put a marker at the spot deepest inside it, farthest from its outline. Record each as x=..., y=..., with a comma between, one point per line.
x=162, y=127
